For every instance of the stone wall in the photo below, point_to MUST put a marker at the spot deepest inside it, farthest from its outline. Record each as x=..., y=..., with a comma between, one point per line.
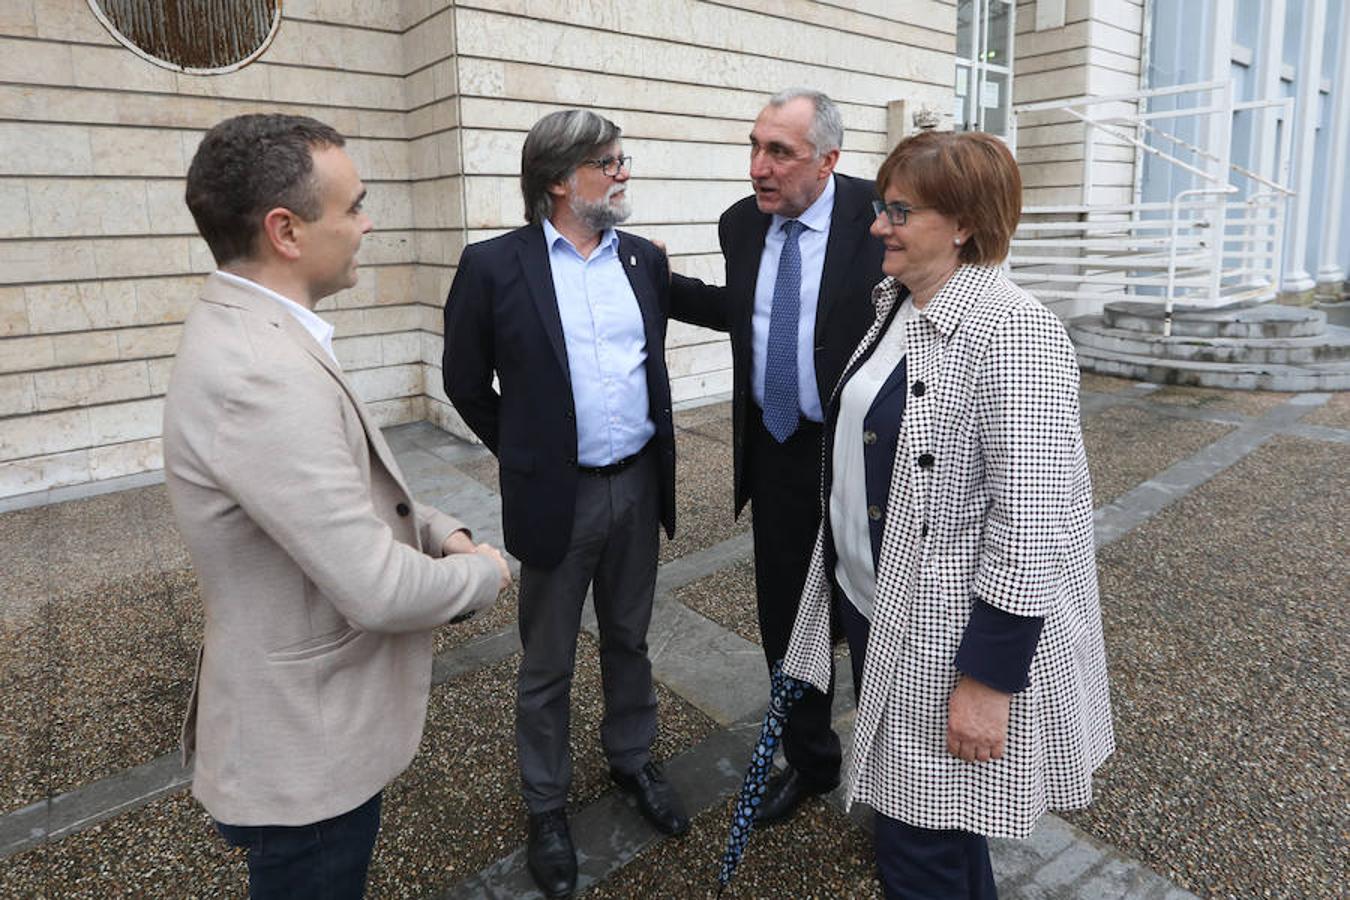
x=1067, y=49
x=99, y=261
x=1095, y=52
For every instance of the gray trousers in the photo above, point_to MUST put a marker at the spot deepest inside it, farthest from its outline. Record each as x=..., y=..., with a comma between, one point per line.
x=615, y=538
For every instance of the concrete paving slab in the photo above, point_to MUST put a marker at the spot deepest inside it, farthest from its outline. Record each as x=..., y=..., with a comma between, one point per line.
x=1129, y=444
x=1335, y=413
x=1145, y=500
x=727, y=597
x=1252, y=403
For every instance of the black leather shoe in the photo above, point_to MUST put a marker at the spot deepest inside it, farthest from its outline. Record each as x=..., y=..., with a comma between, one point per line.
x=655, y=797
x=785, y=792
x=551, y=857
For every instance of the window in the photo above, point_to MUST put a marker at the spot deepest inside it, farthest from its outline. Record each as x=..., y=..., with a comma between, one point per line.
x=199, y=37
x=984, y=42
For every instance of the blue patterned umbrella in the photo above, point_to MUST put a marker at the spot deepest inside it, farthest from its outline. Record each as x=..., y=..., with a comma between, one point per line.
x=783, y=692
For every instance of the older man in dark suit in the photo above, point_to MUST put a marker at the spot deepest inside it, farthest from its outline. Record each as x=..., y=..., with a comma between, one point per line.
x=800, y=268
x=570, y=315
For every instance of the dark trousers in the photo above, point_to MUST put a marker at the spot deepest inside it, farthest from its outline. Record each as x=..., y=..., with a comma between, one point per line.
x=615, y=538
x=920, y=863
x=323, y=861
x=784, y=482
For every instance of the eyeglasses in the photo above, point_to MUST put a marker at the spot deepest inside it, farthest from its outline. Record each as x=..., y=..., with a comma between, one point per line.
x=610, y=166
x=897, y=213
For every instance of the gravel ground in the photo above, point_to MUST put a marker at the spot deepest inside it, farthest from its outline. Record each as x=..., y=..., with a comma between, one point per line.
x=501, y=614
x=727, y=597
x=457, y=809
x=453, y=812
x=482, y=469
x=167, y=848
x=1226, y=632
x=816, y=854
x=110, y=693
x=703, y=489
x=1130, y=444
x=1251, y=403
x=1335, y=413
x=1103, y=384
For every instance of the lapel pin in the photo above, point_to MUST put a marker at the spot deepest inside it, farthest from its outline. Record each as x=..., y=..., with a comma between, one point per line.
x=632, y=261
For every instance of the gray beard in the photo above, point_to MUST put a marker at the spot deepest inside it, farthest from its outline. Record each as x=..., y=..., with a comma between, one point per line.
x=602, y=214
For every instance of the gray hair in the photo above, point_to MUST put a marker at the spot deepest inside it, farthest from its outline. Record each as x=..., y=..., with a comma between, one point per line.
x=555, y=146
x=827, y=125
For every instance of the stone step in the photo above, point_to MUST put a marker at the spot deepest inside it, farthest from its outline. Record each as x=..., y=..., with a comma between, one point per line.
x=1260, y=322
x=1328, y=376
x=1331, y=345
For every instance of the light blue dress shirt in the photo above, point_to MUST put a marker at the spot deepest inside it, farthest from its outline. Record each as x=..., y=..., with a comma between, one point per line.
x=811, y=242
x=606, y=348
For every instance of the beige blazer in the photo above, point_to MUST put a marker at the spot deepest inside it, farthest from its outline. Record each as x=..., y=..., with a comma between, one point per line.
x=316, y=567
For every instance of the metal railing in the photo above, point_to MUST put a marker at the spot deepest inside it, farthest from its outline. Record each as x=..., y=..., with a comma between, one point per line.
x=1206, y=247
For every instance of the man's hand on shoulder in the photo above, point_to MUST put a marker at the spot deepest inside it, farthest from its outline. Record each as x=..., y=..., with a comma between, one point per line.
x=661, y=245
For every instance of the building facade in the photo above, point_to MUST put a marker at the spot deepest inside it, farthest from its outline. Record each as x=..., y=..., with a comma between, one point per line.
x=99, y=261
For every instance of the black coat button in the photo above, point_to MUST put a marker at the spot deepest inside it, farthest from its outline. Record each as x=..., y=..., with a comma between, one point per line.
x=403, y=510
x=926, y=460
x=919, y=389
x=869, y=437
x=874, y=513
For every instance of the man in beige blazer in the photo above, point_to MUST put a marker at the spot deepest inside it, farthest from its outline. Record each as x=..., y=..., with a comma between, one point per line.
x=321, y=576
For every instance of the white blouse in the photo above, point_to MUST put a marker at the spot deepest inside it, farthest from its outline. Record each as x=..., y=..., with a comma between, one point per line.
x=849, y=524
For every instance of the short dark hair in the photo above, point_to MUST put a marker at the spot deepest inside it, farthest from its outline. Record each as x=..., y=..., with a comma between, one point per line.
x=968, y=175
x=247, y=166
x=555, y=146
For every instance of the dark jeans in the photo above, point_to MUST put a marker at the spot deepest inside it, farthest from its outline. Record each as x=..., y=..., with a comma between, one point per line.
x=920, y=863
x=323, y=861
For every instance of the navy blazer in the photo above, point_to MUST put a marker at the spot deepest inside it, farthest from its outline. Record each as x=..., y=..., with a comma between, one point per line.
x=502, y=316
x=843, y=313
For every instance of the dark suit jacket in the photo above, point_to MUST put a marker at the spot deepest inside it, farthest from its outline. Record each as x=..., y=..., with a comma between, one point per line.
x=843, y=313
x=502, y=316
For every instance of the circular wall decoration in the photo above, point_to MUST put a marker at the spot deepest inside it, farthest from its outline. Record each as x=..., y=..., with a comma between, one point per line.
x=199, y=37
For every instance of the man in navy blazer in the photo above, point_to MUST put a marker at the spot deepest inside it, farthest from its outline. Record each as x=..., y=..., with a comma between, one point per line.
x=801, y=242
x=570, y=315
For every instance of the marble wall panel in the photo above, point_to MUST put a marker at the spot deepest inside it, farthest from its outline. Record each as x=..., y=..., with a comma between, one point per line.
x=45, y=433
x=87, y=385
x=77, y=207
x=17, y=395
x=131, y=458
x=116, y=423
x=23, y=476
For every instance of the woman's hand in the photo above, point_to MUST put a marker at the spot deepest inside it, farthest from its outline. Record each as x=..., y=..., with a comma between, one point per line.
x=977, y=721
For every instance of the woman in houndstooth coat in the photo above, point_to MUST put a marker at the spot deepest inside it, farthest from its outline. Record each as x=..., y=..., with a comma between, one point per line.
x=957, y=546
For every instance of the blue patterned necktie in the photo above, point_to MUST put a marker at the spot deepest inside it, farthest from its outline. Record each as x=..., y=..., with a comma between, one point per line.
x=781, y=396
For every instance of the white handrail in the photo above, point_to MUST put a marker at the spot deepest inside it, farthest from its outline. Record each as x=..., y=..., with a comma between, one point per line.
x=1195, y=247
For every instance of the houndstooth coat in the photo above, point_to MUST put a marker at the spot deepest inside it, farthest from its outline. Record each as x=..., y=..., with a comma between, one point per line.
x=1002, y=511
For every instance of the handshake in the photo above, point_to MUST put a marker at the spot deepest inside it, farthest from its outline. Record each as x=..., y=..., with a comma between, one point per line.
x=460, y=542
